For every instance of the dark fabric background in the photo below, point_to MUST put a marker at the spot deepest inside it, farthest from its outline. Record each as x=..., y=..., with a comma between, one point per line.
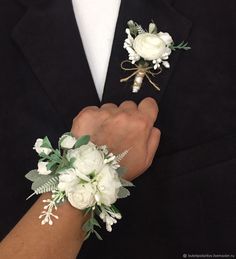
x=186, y=202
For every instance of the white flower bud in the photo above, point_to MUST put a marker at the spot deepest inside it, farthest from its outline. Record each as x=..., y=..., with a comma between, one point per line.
x=42, y=168
x=39, y=149
x=68, y=141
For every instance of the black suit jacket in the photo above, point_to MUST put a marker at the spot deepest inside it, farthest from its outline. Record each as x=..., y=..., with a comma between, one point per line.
x=186, y=202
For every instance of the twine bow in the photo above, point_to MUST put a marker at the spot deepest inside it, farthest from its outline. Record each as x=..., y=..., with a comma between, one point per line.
x=140, y=72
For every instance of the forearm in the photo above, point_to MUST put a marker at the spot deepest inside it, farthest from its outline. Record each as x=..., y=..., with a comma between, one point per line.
x=29, y=239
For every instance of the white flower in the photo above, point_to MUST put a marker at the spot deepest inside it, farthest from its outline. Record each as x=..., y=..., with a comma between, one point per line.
x=39, y=149
x=108, y=185
x=67, y=180
x=82, y=196
x=67, y=141
x=149, y=46
x=87, y=159
x=42, y=168
x=166, y=38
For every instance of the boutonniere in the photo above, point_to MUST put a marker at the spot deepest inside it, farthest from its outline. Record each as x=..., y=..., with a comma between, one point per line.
x=148, y=52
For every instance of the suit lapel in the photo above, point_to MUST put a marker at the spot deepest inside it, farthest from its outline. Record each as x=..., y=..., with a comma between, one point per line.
x=143, y=12
x=50, y=40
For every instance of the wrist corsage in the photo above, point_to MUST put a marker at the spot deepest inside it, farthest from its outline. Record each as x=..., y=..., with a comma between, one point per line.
x=148, y=52
x=89, y=177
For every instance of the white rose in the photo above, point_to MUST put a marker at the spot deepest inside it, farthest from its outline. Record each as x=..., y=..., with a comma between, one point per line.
x=68, y=141
x=82, y=196
x=39, y=149
x=42, y=168
x=87, y=159
x=108, y=185
x=149, y=46
x=165, y=37
x=67, y=180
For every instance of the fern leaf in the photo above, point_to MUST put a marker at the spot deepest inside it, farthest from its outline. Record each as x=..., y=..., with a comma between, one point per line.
x=48, y=186
x=120, y=156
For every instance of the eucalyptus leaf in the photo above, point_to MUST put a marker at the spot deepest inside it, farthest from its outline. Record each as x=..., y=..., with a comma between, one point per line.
x=87, y=235
x=87, y=226
x=95, y=222
x=123, y=193
x=126, y=183
x=84, y=140
x=32, y=175
x=121, y=171
x=87, y=211
x=97, y=235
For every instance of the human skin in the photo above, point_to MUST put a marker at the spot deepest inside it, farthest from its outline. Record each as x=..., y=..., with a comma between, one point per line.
x=128, y=126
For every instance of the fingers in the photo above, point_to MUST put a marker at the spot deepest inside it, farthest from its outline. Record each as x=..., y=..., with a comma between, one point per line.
x=128, y=106
x=109, y=106
x=152, y=145
x=109, y=109
x=148, y=106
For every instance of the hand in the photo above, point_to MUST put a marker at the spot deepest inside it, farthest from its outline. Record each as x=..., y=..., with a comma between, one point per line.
x=127, y=127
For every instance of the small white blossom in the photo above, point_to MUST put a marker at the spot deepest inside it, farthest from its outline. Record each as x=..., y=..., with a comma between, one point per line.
x=128, y=45
x=39, y=149
x=109, y=217
x=42, y=168
x=166, y=64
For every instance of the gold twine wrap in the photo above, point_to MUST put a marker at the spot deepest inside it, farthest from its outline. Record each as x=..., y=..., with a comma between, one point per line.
x=140, y=72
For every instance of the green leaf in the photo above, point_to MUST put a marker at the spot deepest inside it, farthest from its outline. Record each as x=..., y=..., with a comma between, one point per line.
x=84, y=140
x=126, y=183
x=55, y=158
x=32, y=175
x=123, y=193
x=97, y=235
x=51, y=164
x=87, y=235
x=57, y=153
x=114, y=209
x=183, y=45
x=95, y=222
x=87, y=211
x=87, y=226
x=46, y=143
